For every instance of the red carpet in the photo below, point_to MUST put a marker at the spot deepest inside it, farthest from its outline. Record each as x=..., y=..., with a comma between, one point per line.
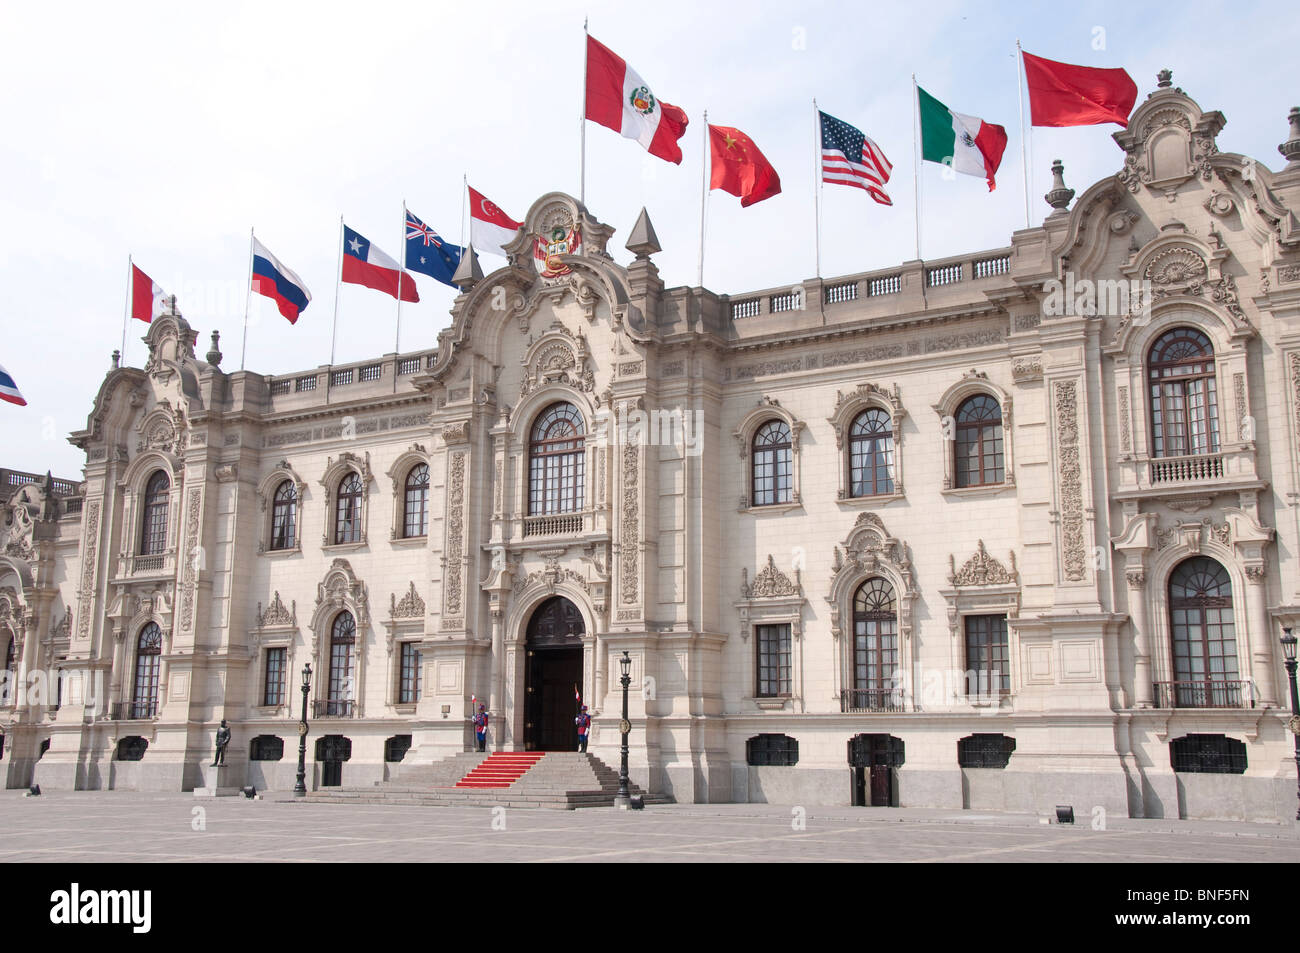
x=501, y=769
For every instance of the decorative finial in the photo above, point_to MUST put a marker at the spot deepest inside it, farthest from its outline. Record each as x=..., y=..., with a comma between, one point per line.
x=643, y=242
x=1291, y=148
x=117, y=359
x=1059, y=196
x=1165, y=78
x=213, y=356
x=468, y=273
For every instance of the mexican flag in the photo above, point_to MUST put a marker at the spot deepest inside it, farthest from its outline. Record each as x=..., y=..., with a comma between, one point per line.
x=967, y=143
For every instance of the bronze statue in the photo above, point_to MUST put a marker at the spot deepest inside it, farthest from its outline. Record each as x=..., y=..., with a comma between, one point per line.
x=223, y=739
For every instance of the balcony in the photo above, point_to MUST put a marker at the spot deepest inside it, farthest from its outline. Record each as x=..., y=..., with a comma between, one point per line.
x=134, y=710
x=333, y=708
x=854, y=700
x=157, y=564
x=560, y=524
x=1209, y=693
x=1198, y=468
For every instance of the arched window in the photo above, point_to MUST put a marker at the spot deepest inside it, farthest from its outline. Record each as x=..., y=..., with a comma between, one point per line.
x=871, y=454
x=772, y=466
x=148, y=659
x=875, y=649
x=153, y=531
x=979, y=455
x=1204, y=636
x=556, y=461
x=416, y=522
x=343, y=644
x=1184, y=404
x=284, y=516
x=347, y=523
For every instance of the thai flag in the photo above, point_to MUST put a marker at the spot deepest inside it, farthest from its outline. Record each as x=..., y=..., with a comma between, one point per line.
x=9, y=390
x=364, y=264
x=278, y=283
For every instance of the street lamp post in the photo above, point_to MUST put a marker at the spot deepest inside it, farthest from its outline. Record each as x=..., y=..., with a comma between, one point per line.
x=624, y=726
x=1288, y=653
x=300, y=789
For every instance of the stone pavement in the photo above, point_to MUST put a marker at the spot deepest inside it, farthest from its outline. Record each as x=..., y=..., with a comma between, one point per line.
x=92, y=826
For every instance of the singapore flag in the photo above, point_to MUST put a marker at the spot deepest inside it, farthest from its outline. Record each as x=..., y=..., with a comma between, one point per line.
x=489, y=227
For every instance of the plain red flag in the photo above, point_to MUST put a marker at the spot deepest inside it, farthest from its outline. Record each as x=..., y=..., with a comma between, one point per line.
x=739, y=167
x=1064, y=95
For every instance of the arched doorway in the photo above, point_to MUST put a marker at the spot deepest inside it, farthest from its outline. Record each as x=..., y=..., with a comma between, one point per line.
x=553, y=675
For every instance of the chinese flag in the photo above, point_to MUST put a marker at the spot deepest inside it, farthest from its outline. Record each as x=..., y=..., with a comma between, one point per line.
x=739, y=167
x=1065, y=95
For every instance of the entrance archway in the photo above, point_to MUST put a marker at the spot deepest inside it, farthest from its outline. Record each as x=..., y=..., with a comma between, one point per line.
x=552, y=676
x=874, y=761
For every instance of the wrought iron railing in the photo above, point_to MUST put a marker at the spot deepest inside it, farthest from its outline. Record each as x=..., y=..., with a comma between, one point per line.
x=871, y=699
x=134, y=710
x=1208, y=693
x=333, y=708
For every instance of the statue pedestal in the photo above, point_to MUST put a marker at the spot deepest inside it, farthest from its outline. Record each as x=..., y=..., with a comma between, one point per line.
x=215, y=782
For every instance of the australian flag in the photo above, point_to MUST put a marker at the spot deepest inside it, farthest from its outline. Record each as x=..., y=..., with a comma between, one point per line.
x=428, y=253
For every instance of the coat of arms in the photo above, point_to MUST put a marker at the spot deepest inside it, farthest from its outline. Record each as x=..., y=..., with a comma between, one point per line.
x=548, y=247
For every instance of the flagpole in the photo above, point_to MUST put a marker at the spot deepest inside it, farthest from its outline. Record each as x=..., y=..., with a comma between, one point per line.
x=582, y=123
x=126, y=315
x=916, y=163
x=464, y=197
x=338, y=280
x=401, y=271
x=1024, y=135
x=248, y=296
x=704, y=191
x=817, y=182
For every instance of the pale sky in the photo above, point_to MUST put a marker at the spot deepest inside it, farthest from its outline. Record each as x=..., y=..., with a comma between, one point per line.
x=166, y=131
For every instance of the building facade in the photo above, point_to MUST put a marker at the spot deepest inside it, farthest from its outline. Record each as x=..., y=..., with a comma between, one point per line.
x=1002, y=531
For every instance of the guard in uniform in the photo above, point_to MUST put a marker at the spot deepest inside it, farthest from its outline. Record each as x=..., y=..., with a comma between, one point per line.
x=480, y=727
x=583, y=721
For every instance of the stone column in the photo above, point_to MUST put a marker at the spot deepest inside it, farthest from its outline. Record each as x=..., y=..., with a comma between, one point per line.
x=1143, y=686
x=1261, y=635
x=496, y=691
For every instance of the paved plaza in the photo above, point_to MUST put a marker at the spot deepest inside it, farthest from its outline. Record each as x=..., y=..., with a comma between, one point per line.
x=131, y=827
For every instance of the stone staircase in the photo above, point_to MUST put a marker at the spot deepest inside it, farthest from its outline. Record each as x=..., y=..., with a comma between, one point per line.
x=560, y=780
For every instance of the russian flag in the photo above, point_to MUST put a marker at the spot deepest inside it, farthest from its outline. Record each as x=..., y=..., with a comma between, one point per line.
x=278, y=283
x=364, y=264
x=9, y=390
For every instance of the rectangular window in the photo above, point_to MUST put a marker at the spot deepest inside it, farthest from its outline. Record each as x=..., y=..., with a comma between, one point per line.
x=988, y=667
x=773, y=645
x=273, y=689
x=408, y=686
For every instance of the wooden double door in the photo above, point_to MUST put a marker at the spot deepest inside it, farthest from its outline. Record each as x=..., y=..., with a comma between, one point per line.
x=553, y=676
x=873, y=765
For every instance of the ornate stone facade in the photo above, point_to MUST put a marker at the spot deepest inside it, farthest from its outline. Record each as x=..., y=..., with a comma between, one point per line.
x=1046, y=582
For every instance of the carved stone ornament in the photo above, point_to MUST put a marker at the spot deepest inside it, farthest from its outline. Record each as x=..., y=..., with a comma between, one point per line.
x=1176, y=270
x=983, y=570
x=276, y=614
x=411, y=605
x=769, y=583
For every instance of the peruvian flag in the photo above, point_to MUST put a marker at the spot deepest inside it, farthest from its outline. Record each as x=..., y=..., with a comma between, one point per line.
x=1064, y=95
x=490, y=229
x=364, y=264
x=619, y=99
x=145, y=296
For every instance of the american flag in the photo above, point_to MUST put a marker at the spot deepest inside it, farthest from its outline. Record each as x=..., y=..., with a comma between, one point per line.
x=851, y=158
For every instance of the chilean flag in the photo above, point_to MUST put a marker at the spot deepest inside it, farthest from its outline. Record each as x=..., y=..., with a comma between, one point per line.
x=145, y=296
x=619, y=99
x=278, y=283
x=364, y=264
x=9, y=390
x=489, y=228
